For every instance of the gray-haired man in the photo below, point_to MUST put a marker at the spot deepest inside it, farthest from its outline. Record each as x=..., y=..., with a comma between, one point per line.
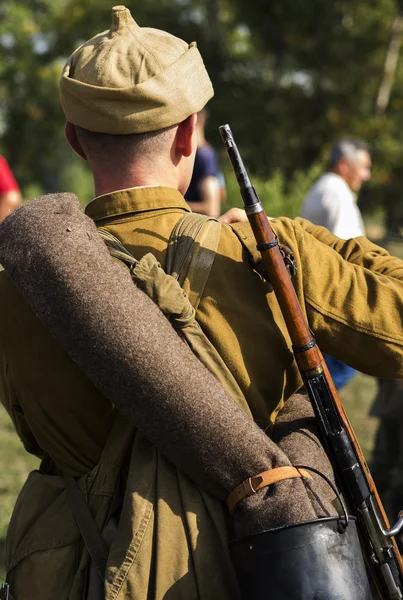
x=331, y=202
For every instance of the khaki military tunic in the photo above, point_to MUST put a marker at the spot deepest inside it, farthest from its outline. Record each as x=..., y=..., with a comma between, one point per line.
x=352, y=295
x=351, y=292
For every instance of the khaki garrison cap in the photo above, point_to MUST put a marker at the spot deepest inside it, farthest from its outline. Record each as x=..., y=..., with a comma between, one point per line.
x=133, y=79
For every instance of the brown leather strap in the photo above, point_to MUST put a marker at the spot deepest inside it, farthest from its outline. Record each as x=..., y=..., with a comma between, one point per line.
x=253, y=484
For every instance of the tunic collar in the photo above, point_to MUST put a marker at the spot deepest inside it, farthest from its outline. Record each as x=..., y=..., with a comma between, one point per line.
x=135, y=200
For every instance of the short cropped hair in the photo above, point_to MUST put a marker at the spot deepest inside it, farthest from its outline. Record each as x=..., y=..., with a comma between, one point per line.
x=129, y=145
x=346, y=148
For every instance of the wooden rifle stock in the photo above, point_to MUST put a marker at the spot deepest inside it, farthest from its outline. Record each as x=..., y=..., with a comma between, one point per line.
x=352, y=472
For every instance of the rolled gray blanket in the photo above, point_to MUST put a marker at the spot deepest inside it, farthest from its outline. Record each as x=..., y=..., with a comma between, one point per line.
x=121, y=340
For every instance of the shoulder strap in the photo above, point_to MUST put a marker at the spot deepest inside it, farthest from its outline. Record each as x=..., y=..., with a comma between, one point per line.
x=181, y=240
x=116, y=248
x=192, y=247
x=191, y=252
x=114, y=452
x=96, y=545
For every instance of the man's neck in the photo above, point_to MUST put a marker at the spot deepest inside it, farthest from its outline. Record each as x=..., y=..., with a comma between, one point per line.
x=107, y=182
x=336, y=172
x=353, y=194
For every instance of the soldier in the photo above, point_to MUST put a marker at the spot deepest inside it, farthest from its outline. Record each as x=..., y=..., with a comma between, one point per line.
x=131, y=97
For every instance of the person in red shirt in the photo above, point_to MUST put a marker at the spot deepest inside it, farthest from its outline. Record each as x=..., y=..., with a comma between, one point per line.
x=10, y=195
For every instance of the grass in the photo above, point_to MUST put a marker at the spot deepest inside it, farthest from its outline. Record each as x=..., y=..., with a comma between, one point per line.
x=357, y=397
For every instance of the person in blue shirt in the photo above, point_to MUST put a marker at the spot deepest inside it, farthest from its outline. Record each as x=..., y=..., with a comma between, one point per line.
x=204, y=192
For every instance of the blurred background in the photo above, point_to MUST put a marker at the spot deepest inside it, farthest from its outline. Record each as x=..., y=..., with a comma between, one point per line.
x=290, y=78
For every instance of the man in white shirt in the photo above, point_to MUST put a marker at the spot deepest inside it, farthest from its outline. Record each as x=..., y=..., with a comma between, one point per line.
x=331, y=202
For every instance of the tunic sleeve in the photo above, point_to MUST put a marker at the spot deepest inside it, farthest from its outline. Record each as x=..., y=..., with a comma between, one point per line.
x=359, y=251
x=352, y=292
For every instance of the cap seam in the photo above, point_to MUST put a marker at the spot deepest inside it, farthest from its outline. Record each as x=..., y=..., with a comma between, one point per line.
x=138, y=39
x=108, y=51
x=145, y=47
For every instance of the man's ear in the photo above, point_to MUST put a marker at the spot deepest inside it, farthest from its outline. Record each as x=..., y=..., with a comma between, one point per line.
x=71, y=136
x=186, y=138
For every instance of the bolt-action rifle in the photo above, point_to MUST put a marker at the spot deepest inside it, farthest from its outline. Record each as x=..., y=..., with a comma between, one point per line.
x=352, y=473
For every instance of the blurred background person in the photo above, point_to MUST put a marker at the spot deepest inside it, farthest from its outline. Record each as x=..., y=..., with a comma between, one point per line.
x=332, y=203
x=205, y=189
x=10, y=195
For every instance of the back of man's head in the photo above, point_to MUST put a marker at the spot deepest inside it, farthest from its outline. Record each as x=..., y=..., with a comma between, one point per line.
x=102, y=148
x=132, y=79
x=128, y=95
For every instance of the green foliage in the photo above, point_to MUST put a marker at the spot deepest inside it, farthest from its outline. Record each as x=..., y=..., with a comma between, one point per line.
x=290, y=77
x=279, y=196
x=357, y=397
x=76, y=178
